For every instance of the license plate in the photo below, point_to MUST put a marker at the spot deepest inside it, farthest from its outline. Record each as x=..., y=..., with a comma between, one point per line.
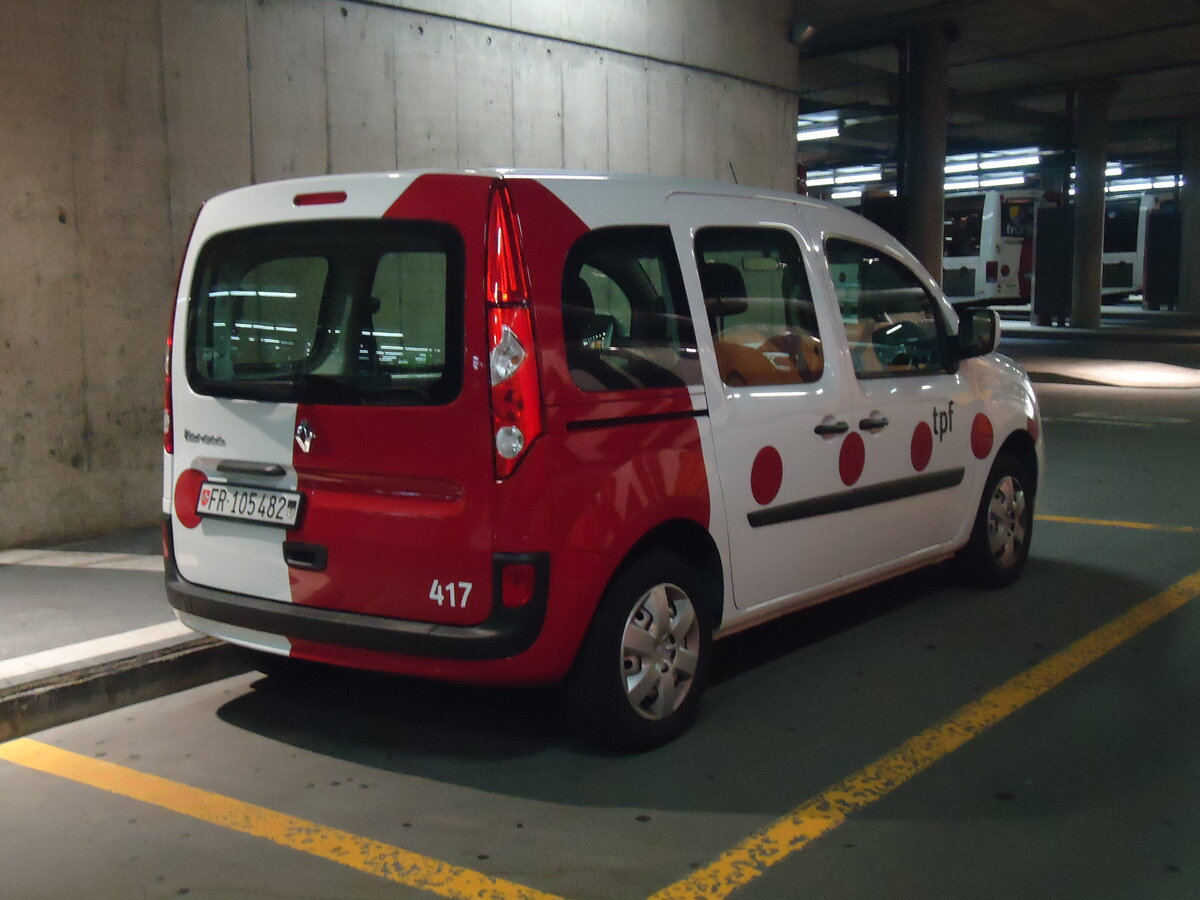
x=248, y=504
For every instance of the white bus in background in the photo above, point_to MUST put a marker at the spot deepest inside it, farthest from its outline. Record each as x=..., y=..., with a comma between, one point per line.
x=988, y=245
x=1125, y=218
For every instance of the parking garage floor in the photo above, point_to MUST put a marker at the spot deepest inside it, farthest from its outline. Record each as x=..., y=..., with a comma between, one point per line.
x=917, y=739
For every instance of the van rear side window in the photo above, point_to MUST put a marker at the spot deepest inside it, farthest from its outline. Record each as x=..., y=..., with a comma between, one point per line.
x=342, y=313
x=625, y=316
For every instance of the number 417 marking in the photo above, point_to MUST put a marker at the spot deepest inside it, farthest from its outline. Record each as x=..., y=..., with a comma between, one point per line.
x=454, y=594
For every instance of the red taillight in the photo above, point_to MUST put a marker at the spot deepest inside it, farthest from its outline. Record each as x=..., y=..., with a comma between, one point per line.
x=321, y=198
x=516, y=395
x=168, y=408
x=990, y=270
x=168, y=430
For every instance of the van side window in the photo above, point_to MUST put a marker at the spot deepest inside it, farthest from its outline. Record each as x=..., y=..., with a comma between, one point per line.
x=759, y=305
x=891, y=322
x=625, y=317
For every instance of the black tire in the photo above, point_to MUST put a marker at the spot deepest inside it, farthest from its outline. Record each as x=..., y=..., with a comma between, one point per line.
x=606, y=699
x=996, y=552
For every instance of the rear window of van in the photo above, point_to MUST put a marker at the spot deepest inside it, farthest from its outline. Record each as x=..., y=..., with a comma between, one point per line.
x=342, y=313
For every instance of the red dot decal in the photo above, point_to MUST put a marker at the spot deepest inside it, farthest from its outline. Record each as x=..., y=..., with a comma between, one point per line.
x=766, y=475
x=981, y=436
x=922, y=446
x=851, y=459
x=187, y=492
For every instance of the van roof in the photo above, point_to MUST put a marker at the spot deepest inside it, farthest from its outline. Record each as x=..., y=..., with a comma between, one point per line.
x=614, y=182
x=598, y=198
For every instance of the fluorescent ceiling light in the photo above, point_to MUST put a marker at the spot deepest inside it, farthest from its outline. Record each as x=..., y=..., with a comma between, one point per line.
x=1165, y=183
x=968, y=185
x=1009, y=162
x=1111, y=170
x=819, y=182
x=955, y=168
x=1002, y=180
x=816, y=134
x=845, y=195
x=1129, y=187
x=858, y=177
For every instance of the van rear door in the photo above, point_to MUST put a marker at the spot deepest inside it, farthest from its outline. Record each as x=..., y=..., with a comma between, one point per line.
x=333, y=443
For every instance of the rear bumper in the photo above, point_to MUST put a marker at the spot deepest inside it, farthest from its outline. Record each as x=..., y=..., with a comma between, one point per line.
x=505, y=633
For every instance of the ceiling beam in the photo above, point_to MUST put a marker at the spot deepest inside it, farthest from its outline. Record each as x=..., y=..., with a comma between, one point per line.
x=815, y=40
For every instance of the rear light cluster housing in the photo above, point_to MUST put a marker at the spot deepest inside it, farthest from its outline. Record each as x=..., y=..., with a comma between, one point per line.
x=516, y=393
x=168, y=410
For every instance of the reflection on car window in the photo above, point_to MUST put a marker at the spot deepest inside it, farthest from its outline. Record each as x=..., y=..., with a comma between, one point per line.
x=962, y=224
x=625, y=317
x=890, y=319
x=759, y=306
x=350, y=314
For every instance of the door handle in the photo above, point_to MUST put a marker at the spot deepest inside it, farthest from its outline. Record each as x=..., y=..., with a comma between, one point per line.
x=873, y=424
x=310, y=557
x=245, y=467
x=825, y=429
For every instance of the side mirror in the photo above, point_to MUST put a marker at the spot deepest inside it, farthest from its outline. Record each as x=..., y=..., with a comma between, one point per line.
x=978, y=332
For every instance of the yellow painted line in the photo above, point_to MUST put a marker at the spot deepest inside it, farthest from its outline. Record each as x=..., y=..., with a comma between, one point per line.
x=357, y=852
x=829, y=809
x=1113, y=523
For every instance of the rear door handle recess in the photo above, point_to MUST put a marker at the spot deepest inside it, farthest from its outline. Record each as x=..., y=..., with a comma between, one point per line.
x=310, y=557
x=245, y=467
x=825, y=429
x=872, y=424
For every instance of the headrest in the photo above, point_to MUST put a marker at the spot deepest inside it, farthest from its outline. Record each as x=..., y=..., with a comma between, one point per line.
x=721, y=281
x=576, y=293
x=724, y=290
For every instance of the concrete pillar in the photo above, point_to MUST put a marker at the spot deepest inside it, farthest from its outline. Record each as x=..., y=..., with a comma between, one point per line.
x=1091, y=136
x=1189, y=208
x=923, y=143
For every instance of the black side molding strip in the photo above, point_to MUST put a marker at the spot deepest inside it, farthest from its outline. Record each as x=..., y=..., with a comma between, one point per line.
x=857, y=497
x=582, y=424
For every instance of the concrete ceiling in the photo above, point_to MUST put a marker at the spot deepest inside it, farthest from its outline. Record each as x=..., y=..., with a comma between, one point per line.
x=1013, y=65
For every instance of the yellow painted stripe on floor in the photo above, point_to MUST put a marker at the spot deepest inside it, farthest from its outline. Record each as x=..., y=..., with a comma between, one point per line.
x=829, y=809
x=357, y=852
x=1114, y=523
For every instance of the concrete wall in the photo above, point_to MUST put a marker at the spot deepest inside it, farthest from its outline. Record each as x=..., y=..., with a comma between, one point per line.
x=122, y=116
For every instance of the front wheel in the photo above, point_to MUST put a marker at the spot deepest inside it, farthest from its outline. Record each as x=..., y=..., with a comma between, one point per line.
x=998, y=547
x=645, y=659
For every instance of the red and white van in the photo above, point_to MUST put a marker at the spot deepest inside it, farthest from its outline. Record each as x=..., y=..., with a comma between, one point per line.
x=513, y=427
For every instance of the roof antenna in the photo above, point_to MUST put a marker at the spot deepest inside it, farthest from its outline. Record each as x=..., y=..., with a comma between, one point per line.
x=732, y=172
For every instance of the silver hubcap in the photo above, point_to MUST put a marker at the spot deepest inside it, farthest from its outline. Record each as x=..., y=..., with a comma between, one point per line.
x=659, y=650
x=1006, y=522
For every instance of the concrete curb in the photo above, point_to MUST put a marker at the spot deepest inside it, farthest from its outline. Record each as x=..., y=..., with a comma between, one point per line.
x=91, y=690
x=1116, y=325
x=1116, y=333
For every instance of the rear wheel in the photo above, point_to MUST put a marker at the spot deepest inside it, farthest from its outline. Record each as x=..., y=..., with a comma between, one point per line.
x=644, y=662
x=996, y=553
